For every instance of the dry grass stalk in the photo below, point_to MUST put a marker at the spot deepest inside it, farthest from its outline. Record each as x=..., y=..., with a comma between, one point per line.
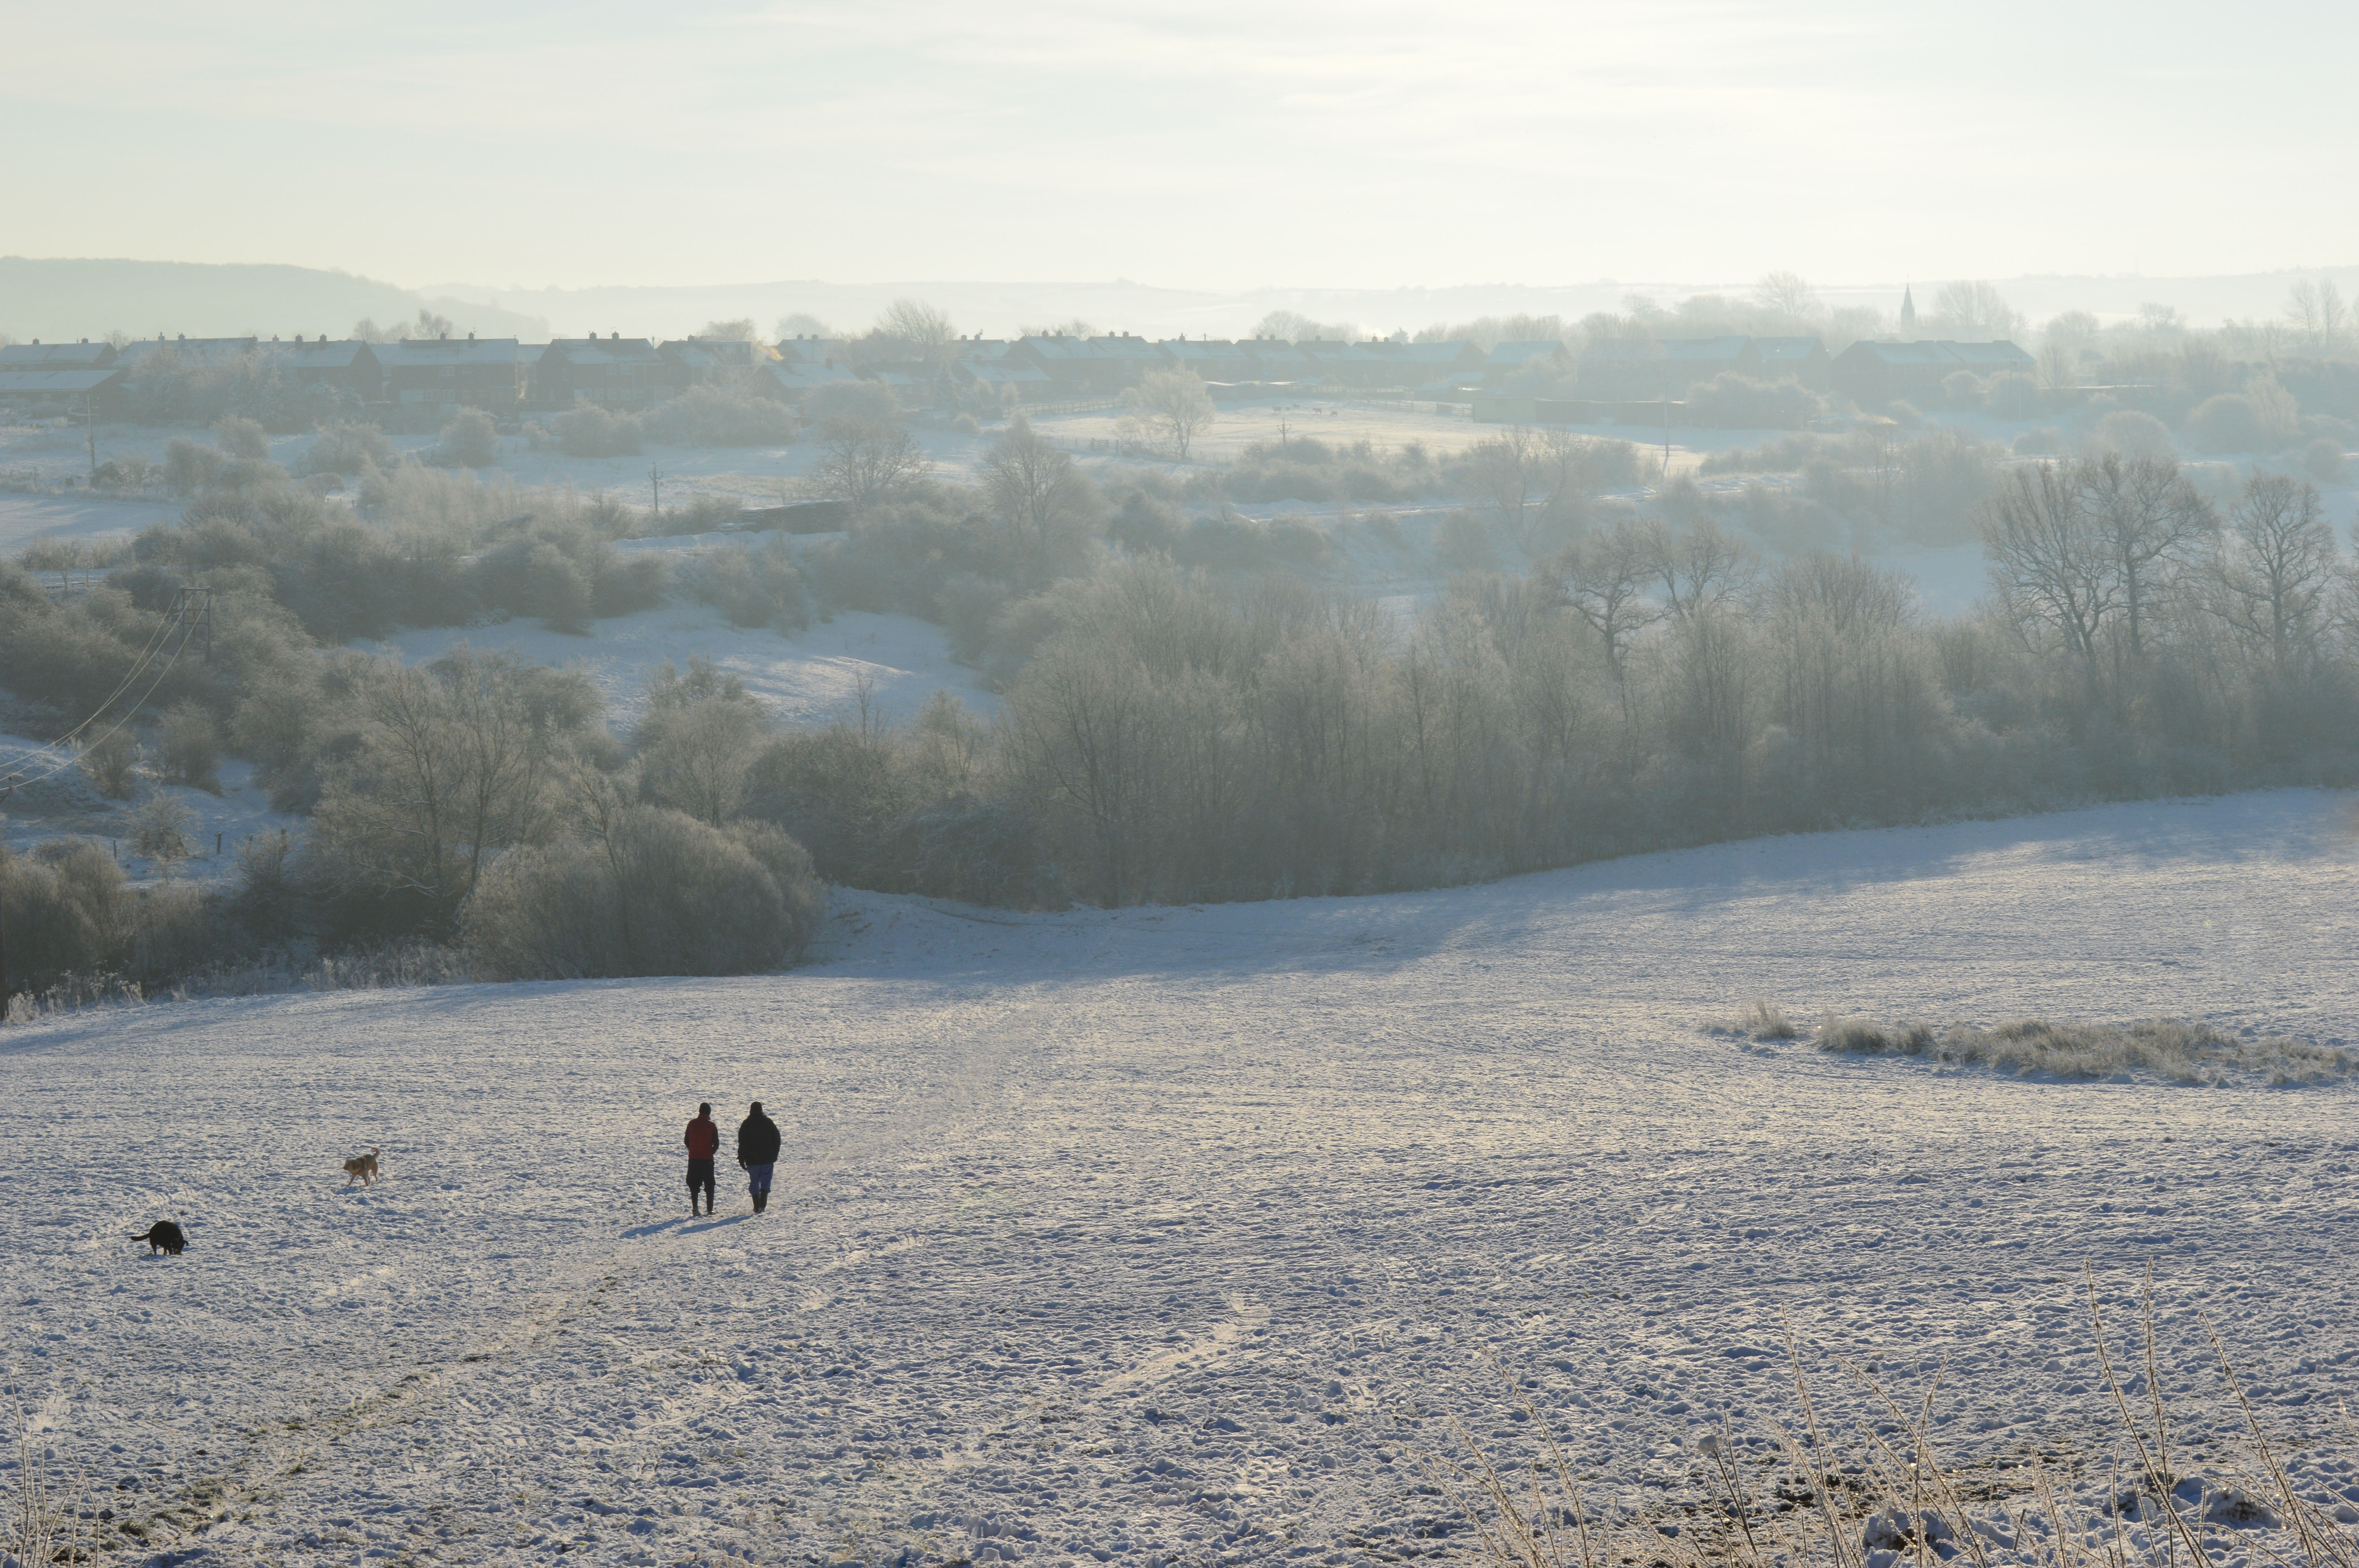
x=1912, y=1509
x=2184, y=1051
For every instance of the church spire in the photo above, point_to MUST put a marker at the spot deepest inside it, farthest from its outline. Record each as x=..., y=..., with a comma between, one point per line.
x=1908, y=312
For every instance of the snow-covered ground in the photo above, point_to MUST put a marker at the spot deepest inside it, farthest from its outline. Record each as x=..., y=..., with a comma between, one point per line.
x=56, y=800
x=809, y=678
x=1171, y=1235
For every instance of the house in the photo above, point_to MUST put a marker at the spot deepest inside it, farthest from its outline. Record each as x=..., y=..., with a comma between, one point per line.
x=1546, y=359
x=191, y=354
x=1276, y=359
x=1647, y=367
x=1130, y=355
x=813, y=351
x=1419, y=362
x=479, y=372
x=1874, y=373
x=796, y=382
x=1639, y=368
x=346, y=365
x=1345, y=364
x=39, y=355
x=1082, y=366
x=709, y=362
x=80, y=384
x=1794, y=359
x=1004, y=378
x=1213, y=360
x=613, y=372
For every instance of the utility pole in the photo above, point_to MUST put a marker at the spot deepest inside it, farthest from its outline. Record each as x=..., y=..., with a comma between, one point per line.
x=654, y=487
x=90, y=429
x=193, y=608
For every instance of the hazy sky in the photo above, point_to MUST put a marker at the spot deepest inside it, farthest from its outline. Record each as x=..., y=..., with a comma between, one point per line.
x=1221, y=144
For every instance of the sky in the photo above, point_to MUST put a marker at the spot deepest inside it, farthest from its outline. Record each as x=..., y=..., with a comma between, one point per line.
x=1220, y=143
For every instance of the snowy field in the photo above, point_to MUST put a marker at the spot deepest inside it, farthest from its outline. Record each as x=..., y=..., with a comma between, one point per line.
x=1171, y=1236
x=808, y=679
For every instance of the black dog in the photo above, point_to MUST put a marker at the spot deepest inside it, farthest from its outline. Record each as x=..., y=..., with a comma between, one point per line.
x=163, y=1235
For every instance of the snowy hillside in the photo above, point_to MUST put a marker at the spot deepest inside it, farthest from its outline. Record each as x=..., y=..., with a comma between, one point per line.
x=1171, y=1235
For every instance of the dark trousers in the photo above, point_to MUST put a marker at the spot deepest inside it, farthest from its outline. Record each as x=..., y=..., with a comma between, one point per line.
x=700, y=1174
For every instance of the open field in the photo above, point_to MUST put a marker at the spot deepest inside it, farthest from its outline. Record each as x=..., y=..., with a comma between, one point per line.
x=1170, y=1235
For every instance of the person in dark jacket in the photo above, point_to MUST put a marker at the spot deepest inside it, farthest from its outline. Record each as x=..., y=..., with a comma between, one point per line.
x=757, y=1151
x=703, y=1139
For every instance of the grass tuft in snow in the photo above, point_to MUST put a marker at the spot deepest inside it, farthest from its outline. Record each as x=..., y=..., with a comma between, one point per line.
x=2177, y=1049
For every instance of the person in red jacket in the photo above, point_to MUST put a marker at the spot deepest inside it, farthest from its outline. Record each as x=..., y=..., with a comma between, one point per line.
x=702, y=1138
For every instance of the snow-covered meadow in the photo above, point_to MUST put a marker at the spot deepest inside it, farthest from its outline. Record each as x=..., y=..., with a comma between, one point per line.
x=1173, y=1235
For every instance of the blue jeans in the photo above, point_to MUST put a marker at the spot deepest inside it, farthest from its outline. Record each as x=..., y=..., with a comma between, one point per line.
x=757, y=1178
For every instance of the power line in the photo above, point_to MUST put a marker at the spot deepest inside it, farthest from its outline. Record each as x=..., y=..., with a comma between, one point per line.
x=163, y=630
x=128, y=714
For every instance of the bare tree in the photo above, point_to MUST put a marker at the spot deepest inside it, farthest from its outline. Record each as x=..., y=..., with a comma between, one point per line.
x=1501, y=469
x=455, y=764
x=2057, y=368
x=867, y=450
x=915, y=329
x=1034, y=489
x=740, y=331
x=2151, y=519
x=2315, y=307
x=1175, y=403
x=1701, y=568
x=1297, y=327
x=2050, y=560
x=1787, y=294
x=1974, y=311
x=1605, y=578
x=2277, y=566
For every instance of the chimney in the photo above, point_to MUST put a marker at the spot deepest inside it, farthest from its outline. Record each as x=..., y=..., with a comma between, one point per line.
x=470, y=337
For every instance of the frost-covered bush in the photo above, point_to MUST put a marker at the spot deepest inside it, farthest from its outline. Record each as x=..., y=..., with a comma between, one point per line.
x=751, y=588
x=188, y=748
x=2014, y=396
x=470, y=440
x=1733, y=402
x=346, y=448
x=2134, y=434
x=716, y=416
x=589, y=431
x=65, y=905
x=111, y=763
x=648, y=892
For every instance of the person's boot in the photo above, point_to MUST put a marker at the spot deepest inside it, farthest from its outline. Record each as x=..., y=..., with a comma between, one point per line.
x=761, y=1202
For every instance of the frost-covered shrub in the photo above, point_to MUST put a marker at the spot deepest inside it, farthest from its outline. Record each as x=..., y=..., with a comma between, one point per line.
x=111, y=763
x=751, y=588
x=2227, y=423
x=2134, y=434
x=346, y=448
x=188, y=748
x=715, y=416
x=470, y=440
x=1733, y=402
x=64, y=904
x=589, y=431
x=2014, y=396
x=654, y=892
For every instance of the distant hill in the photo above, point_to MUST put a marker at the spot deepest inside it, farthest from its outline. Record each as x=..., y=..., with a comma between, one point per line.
x=76, y=298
